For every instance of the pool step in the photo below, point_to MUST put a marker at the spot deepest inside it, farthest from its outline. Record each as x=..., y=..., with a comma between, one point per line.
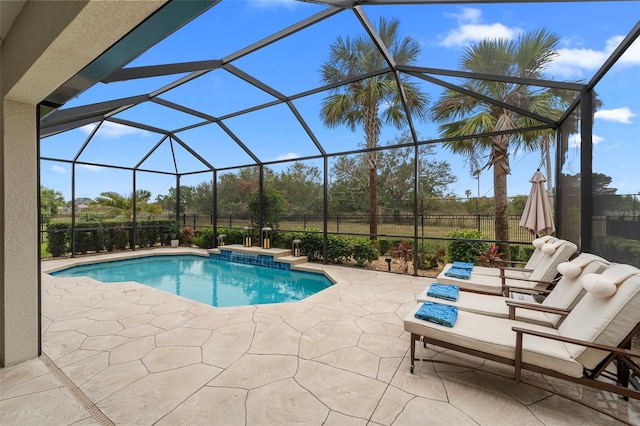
x=278, y=254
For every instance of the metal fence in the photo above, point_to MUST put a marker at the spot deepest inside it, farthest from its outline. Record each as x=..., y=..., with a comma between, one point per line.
x=392, y=225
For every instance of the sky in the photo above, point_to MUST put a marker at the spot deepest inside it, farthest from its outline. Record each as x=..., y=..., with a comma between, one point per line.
x=588, y=33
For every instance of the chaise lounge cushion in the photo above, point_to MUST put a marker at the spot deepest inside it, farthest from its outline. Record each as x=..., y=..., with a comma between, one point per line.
x=545, y=271
x=534, y=259
x=604, y=320
x=566, y=294
x=494, y=336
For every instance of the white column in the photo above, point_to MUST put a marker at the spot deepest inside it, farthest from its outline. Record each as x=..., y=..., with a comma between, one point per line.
x=18, y=188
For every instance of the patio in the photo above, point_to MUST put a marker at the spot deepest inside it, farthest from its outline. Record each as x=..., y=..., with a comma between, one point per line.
x=129, y=354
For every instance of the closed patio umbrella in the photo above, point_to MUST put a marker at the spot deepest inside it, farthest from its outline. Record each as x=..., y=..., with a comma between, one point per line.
x=536, y=216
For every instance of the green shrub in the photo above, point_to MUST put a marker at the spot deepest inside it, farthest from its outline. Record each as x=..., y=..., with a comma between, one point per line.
x=338, y=249
x=363, y=251
x=115, y=237
x=89, y=236
x=203, y=238
x=618, y=249
x=526, y=252
x=284, y=239
x=514, y=250
x=430, y=259
x=98, y=236
x=386, y=245
x=465, y=251
x=234, y=235
x=58, y=238
x=311, y=245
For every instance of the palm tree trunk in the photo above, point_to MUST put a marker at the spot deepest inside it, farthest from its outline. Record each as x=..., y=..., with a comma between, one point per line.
x=501, y=168
x=373, y=200
x=372, y=132
x=500, y=202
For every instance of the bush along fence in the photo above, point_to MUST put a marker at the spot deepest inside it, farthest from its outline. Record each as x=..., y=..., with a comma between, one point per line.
x=459, y=245
x=105, y=236
x=95, y=237
x=340, y=249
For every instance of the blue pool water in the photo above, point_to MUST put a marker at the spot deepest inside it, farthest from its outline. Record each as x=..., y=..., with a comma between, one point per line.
x=207, y=280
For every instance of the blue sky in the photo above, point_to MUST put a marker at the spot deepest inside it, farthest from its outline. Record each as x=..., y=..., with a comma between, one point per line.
x=589, y=32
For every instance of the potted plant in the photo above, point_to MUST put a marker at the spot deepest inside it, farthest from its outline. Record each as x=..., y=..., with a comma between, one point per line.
x=175, y=234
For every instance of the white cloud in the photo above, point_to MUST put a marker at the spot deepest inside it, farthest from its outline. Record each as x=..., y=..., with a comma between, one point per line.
x=620, y=115
x=111, y=130
x=575, y=140
x=91, y=168
x=471, y=29
x=467, y=14
x=631, y=56
x=59, y=170
x=572, y=62
x=287, y=156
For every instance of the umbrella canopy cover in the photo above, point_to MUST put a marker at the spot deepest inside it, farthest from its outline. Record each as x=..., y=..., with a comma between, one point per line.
x=536, y=216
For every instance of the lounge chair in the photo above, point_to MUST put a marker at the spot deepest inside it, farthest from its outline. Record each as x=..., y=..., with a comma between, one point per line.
x=564, y=296
x=518, y=272
x=597, y=332
x=540, y=277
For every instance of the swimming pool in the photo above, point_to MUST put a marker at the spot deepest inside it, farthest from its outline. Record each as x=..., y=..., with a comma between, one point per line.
x=207, y=280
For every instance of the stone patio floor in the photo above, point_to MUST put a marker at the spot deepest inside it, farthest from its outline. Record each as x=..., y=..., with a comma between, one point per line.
x=128, y=354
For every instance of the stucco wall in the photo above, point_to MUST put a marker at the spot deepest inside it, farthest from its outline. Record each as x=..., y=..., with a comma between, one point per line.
x=48, y=43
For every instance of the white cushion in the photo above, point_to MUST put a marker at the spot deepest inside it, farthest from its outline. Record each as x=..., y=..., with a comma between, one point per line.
x=495, y=336
x=569, y=270
x=550, y=248
x=599, y=286
x=539, y=242
x=604, y=320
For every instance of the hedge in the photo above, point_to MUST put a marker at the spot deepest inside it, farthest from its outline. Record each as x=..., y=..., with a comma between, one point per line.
x=466, y=251
x=618, y=249
x=105, y=236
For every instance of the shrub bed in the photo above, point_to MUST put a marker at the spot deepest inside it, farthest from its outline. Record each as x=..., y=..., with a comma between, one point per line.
x=100, y=236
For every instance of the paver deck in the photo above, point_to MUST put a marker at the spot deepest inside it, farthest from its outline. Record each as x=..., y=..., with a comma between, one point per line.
x=128, y=354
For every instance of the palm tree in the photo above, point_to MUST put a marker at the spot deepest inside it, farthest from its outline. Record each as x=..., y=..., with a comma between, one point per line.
x=123, y=204
x=464, y=115
x=374, y=101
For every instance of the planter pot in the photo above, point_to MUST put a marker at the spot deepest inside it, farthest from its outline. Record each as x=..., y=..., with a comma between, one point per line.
x=175, y=243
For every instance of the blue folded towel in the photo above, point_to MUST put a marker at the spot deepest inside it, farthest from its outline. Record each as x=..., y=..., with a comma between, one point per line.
x=443, y=291
x=462, y=265
x=464, y=274
x=438, y=313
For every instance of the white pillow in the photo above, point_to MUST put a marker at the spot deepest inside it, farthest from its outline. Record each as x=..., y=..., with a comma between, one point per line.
x=599, y=286
x=539, y=242
x=550, y=248
x=569, y=270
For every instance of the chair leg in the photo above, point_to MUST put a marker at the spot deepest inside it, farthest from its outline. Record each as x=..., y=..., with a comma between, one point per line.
x=414, y=338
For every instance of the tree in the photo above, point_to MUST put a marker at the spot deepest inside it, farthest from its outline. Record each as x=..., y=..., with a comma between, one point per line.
x=81, y=201
x=187, y=199
x=374, y=101
x=235, y=189
x=274, y=205
x=203, y=198
x=50, y=200
x=302, y=183
x=464, y=115
x=123, y=204
x=396, y=171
